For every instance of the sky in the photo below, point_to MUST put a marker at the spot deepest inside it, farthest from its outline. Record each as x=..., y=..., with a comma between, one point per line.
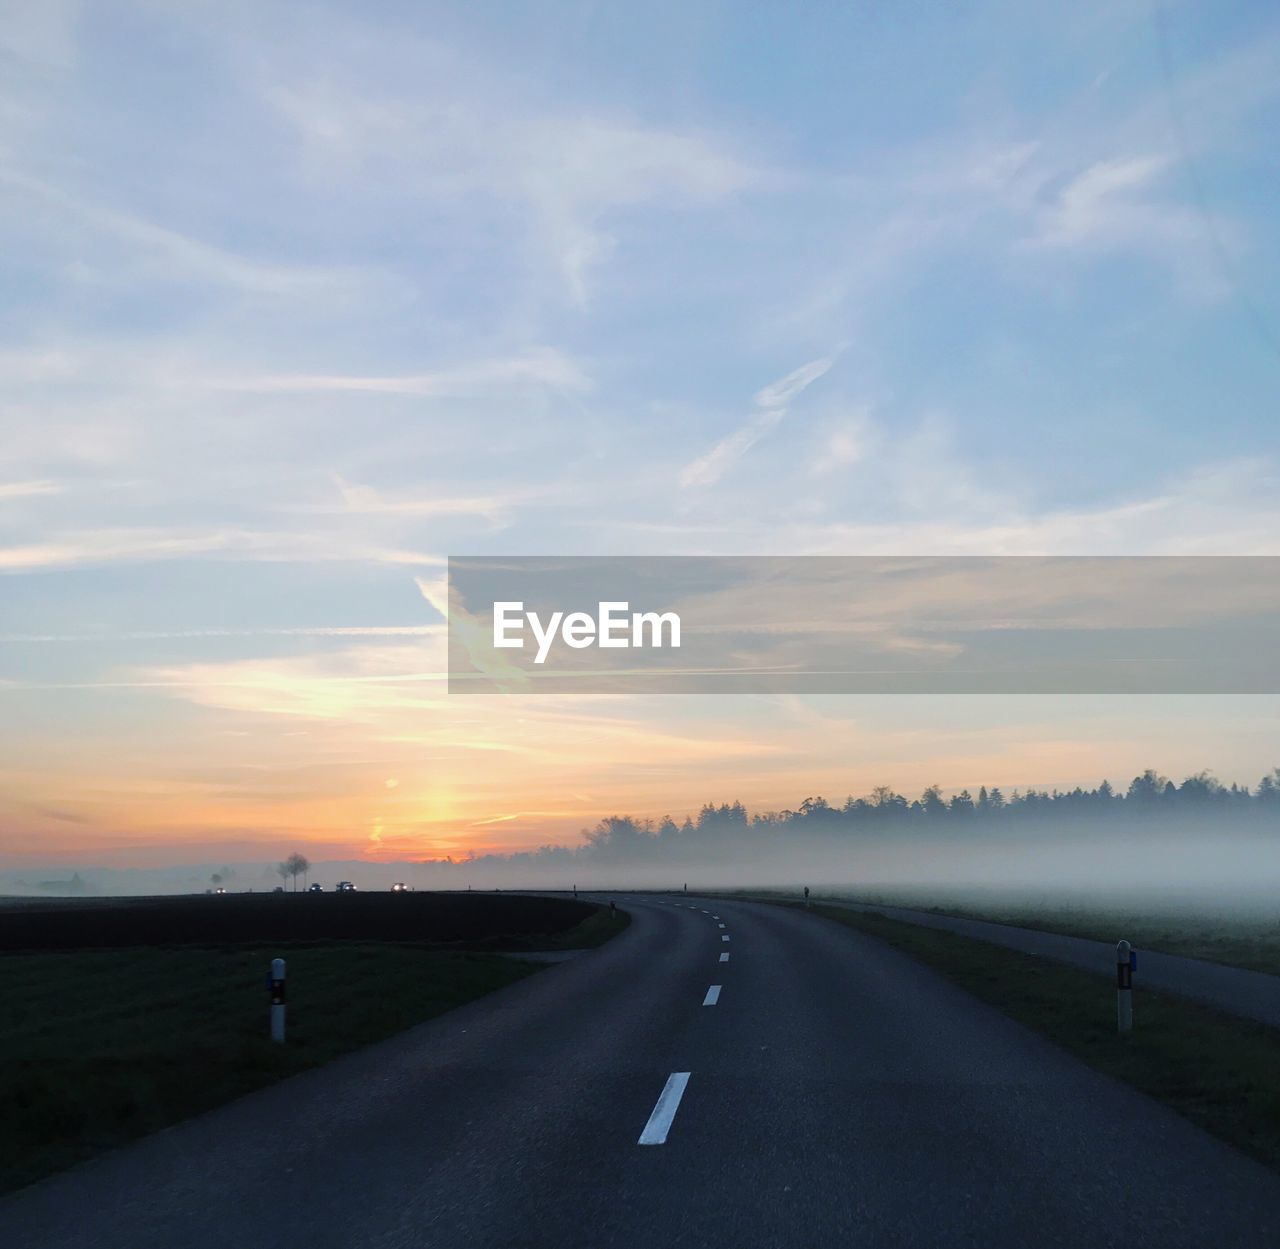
x=297, y=301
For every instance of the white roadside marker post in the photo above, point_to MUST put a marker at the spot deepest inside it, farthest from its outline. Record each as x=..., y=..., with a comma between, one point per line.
x=277, y=1000
x=1125, y=961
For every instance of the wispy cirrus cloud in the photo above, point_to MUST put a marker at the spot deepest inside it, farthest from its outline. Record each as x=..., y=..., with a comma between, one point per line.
x=153, y=635
x=543, y=367
x=708, y=468
x=140, y=244
x=425, y=503
x=456, y=137
x=778, y=394
x=1127, y=205
x=78, y=550
x=1224, y=508
x=28, y=489
x=98, y=548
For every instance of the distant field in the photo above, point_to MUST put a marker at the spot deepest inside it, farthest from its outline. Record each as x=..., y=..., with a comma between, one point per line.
x=462, y=920
x=103, y=1045
x=1251, y=940
x=1196, y=929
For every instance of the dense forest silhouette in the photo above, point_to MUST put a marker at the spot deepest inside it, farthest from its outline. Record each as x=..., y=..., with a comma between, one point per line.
x=729, y=829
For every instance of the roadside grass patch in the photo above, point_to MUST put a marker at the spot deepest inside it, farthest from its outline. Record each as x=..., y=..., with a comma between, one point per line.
x=103, y=1046
x=1247, y=941
x=599, y=927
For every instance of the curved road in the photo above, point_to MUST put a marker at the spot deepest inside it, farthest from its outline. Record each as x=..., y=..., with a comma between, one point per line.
x=837, y=1093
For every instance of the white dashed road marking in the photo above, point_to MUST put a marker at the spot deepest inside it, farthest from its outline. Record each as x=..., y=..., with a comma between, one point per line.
x=655, y=1131
x=724, y=958
x=713, y=996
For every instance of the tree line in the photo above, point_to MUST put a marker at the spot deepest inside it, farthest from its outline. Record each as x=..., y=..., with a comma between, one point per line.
x=1149, y=798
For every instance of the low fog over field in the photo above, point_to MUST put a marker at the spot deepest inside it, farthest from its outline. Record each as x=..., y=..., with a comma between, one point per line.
x=1195, y=844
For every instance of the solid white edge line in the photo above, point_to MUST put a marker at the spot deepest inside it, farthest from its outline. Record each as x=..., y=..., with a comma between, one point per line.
x=655, y=1131
x=713, y=995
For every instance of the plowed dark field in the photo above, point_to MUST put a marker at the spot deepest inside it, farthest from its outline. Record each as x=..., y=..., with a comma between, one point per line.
x=479, y=921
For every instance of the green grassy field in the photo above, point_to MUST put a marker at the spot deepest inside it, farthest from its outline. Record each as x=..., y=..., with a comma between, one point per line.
x=595, y=930
x=1216, y=1070
x=103, y=1046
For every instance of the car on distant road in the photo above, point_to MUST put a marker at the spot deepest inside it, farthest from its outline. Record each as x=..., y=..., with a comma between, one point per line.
x=399, y=887
x=315, y=889
x=345, y=886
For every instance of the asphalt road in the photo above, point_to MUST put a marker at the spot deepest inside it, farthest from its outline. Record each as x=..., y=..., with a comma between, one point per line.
x=1249, y=994
x=837, y=1094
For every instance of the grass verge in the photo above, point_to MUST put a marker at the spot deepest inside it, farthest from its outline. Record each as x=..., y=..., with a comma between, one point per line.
x=600, y=926
x=103, y=1046
x=1212, y=1068
x=1253, y=944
